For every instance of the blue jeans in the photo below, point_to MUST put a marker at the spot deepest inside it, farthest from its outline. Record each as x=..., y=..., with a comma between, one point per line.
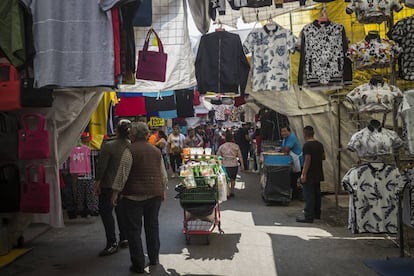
x=312, y=195
x=106, y=212
x=134, y=211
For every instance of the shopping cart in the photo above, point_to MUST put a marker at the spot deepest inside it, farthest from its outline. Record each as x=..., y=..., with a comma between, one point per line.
x=201, y=208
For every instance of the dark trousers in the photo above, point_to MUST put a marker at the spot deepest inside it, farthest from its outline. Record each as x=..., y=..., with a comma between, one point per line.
x=312, y=195
x=175, y=161
x=245, y=154
x=294, y=184
x=106, y=213
x=134, y=211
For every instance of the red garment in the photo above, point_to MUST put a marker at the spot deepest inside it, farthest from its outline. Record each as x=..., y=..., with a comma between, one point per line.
x=131, y=106
x=117, y=43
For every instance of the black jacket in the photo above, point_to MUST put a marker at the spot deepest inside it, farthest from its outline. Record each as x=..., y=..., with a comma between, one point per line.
x=221, y=65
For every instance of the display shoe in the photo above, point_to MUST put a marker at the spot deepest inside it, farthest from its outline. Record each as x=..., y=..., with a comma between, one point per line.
x=304, y=220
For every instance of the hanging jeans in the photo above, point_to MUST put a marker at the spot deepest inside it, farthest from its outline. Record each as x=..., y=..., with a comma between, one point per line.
x=106, y=212
x=134, y=211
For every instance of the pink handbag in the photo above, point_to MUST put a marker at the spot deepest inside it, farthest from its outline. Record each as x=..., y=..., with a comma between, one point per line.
x=33, y=141
x=152, y=65
x=35, y=192
x=9, y=88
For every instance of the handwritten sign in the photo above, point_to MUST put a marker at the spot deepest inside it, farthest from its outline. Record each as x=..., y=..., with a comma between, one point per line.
x=156, y=122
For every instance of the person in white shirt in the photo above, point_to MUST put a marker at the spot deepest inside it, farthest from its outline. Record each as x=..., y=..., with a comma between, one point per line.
x=175, y=146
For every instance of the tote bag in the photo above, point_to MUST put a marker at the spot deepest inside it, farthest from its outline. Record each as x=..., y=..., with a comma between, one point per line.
x=33, y=141
x=152, y=65
x=9, y=88
x=35, y=192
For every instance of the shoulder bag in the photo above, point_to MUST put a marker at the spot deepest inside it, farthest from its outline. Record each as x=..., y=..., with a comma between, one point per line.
x=152, y=65
x=9, y=88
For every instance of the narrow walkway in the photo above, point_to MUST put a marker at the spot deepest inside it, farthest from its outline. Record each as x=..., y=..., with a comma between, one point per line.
x=258, y=240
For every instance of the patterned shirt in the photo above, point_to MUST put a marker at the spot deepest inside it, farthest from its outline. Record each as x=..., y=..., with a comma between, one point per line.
x=270, y=58
x=374, y=98
x=373, y=190
x=322, y=55
x=403, y=34
x=373, y=53
x=406, y=111
x=373, y=11
x=372, y=143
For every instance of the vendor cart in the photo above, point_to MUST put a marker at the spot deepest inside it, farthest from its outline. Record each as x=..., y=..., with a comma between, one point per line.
x=201, y=209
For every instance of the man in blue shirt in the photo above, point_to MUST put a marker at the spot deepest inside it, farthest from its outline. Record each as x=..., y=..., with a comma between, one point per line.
x=291, y=146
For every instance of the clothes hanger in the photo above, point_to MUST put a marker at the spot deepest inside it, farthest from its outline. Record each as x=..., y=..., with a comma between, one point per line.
x=220, y=26
x=323, y=15
x=270, y=24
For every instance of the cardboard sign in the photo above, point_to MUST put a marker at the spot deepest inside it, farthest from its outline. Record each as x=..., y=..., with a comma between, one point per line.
x=156, y=122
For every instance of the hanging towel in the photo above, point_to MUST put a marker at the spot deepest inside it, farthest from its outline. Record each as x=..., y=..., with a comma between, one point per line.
x=185, y=98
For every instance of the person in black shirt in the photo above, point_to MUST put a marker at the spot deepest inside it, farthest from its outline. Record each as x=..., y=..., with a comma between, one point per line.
x=312, y=175
x=243, y=140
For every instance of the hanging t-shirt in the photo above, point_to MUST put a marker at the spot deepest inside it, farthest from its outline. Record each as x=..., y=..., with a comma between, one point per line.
x=374, y=98
x=403, y=34
x=185, y=99
x=271, y=57
x=373, y=190
x=373, y=53
x=374, y=142
x=373, y=11
x=84, y=55
x=80, y=160
x=406, y=111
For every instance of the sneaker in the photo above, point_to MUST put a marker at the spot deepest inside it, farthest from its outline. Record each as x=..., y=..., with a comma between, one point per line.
x=123, y=244
x=109, y=250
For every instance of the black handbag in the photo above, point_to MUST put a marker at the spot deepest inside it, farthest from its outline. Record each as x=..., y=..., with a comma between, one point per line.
x=8, y=137
x=9, y=188
x=35, y=97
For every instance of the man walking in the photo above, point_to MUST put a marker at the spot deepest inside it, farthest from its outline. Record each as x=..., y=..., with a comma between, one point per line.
x=107, y=169
x=312, y=175
x=142, y=195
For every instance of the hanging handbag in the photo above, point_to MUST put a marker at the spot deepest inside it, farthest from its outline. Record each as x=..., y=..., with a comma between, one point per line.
x=8, y=137
x=35, y=192
x=35, y=97
x=9, y=88
x=143, y=14
x=9, y=188
x=33, y=141
x=258, y=3
x=152, y=65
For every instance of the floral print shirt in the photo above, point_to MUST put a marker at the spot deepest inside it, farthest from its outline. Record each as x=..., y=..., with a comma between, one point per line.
x=374, y=98
x=373, y=189
x=373, y=53
x=403, y=34
x=373, y=11
x=270, y=58
x=406, y=111
x=371, y=143
x=322, y=55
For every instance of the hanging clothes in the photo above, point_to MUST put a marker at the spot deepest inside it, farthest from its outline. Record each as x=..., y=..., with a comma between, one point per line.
x=371, y=97
x=374, y=141
x=373, y=189
x=185, y=99
x=131, y=106
x=161, y=101
x=373, y=53
x=80, y=160
x=373, y=11
x=221, y=65
x=271, y=57
x=403, y=34
x=322, y=56
x=406, y=111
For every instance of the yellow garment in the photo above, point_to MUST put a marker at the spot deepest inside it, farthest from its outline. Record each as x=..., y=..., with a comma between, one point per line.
x=99, y=120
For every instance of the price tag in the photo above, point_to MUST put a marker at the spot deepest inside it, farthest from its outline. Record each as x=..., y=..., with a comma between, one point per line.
x=156, y=122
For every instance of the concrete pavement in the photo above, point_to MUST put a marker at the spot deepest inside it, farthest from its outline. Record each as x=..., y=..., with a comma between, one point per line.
x=258, y=240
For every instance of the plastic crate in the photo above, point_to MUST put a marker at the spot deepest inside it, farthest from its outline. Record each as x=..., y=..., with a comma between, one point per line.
x=203, y=181
x=204, y=194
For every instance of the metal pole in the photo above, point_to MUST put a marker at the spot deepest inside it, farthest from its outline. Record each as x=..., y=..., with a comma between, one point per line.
x=339, y=155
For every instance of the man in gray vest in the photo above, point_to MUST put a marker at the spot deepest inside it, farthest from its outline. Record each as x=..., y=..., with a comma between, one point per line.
x=141, y=196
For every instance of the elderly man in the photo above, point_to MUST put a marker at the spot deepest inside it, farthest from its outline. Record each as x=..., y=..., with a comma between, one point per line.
x=141, y=195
